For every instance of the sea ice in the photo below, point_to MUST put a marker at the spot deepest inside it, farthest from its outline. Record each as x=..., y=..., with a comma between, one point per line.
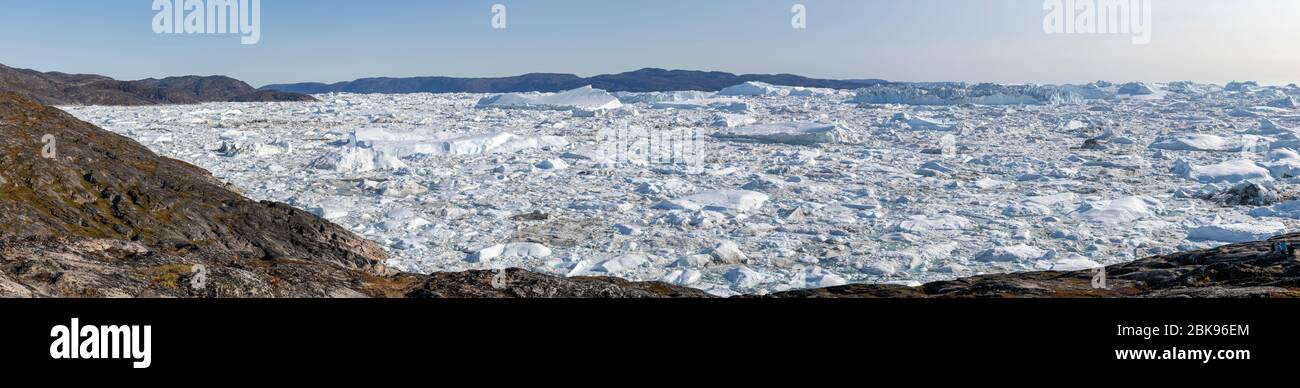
x=1067, y=170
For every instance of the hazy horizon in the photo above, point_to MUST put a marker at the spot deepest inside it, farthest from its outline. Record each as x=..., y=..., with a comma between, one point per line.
x=925, y=40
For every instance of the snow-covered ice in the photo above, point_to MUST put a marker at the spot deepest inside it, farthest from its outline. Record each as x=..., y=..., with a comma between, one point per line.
x=763, y=188
x=581, y=98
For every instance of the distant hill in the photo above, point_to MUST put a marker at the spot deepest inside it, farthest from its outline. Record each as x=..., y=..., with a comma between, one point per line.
x=524, y=83
x=644, y=80
x=56, y=88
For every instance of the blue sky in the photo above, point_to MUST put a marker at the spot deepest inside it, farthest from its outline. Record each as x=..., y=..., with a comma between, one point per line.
x=908, y=40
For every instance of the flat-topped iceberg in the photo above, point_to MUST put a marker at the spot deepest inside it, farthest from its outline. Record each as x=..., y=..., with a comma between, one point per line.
x=1119, y=211
x=584, y=98
x=1194, y=142
x=1229, y=171
x=753, y=88
x=1237, y=233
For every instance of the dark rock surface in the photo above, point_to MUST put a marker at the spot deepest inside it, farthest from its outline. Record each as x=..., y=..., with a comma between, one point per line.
x=1268, y=269
x=518, y=283
x=644, y=80
x=55, y=88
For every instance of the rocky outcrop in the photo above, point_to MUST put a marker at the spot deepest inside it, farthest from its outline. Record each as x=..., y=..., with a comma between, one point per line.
x=518, y=283
x=1268, y=269
x=82, y=89
x=64, y=177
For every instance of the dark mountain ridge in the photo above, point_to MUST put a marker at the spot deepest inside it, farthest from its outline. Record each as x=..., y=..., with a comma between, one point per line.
x=55, y=88
x=644, y=80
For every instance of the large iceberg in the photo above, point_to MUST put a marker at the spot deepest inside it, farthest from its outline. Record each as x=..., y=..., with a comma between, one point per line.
x=407, y=143
x=765, y=89
x=981, y=94
x=584, y=98
x=1230, y=171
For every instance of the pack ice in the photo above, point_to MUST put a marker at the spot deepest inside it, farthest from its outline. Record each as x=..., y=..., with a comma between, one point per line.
x=761, y=188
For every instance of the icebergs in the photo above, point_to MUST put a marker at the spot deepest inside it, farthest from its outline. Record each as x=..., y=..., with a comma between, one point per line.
x=744, y=278
x=1288, y=209
x=682, y=277
x=794, y=133
x=1072, y=262
x=725, y=120
x=654, y=97
x=1136, y=89
x=1194, y=142
x=401, y=187
x=817, y=277
x=1119, y=211
x=1268, y=127
x=523, y=250
x=922, y=123
x=921, y=223
x=622, y=264
x=754, y=88
x=1015, y=253
x=1283, y=163
x=553, y=164
x=584, y=98
x=407, y=143
x=727, y=252
x=356, y=158
x=720, y=200
x=718, y=104
x=1040, y=205
x=1246, y=86
x=1237, y=233
x=464, y=180
x=234, y=149
x=961, y=93
x=1287, y=102
x=1229, y=171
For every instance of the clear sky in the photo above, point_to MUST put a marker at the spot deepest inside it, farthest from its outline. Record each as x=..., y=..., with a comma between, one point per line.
x=905, y=40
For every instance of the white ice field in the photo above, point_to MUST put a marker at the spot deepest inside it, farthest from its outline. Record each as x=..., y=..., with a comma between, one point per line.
x=763, y=188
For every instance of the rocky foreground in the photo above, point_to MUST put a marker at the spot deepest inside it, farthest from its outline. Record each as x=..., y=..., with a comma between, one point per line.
x=55, y=88
x=94, y=214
